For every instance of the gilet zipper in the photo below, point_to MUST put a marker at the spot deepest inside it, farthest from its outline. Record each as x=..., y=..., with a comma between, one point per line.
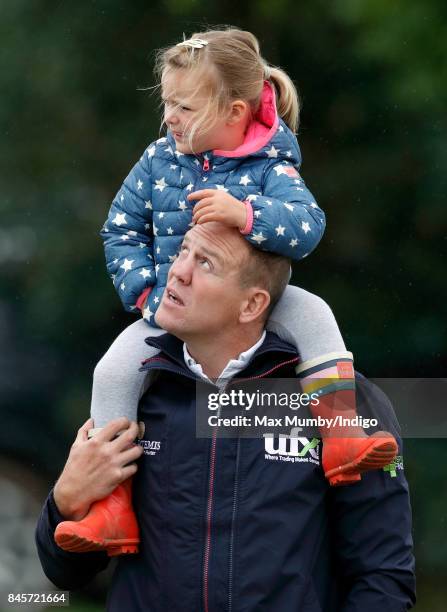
x=234, y=506
x=178, y=369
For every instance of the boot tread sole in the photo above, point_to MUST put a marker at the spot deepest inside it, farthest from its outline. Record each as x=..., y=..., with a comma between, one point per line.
x=377, y=455
x=75, y=543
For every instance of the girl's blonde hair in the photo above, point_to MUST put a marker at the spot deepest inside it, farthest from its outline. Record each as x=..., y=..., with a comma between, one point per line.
x=232, y=68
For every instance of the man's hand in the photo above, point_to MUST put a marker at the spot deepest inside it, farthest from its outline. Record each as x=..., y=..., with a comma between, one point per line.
x=96, y=466
x=218, y=205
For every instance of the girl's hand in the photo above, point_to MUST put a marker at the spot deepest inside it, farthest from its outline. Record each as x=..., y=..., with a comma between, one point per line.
x=218, y=205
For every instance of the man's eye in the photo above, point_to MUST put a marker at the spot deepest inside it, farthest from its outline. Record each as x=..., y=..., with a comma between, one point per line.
x=185, y=108
x=205, y=263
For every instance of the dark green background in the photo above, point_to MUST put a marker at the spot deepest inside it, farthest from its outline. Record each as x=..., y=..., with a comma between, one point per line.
x=73, y=120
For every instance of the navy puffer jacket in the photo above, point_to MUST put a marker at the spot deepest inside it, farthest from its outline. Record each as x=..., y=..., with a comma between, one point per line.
x=248, y=525
x=150, y=213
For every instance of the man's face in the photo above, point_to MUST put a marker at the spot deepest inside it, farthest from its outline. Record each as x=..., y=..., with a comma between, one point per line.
x=203, y=295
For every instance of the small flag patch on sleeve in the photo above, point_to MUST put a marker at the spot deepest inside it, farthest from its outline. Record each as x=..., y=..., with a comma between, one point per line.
x=291, y=171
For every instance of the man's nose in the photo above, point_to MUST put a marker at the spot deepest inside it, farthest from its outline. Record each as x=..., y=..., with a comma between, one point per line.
x=182, y=269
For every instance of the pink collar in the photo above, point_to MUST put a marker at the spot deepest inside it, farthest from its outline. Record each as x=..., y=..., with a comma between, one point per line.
x=261, y=129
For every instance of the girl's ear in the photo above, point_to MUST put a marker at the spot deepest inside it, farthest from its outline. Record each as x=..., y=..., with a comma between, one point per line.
x=239, y=111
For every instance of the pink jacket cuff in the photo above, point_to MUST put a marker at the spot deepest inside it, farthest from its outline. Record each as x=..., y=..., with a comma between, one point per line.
x=141, y=300
x=249, y=224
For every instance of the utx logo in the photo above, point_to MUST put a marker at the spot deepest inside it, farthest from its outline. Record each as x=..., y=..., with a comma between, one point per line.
x=291, y=448
x=150, y=447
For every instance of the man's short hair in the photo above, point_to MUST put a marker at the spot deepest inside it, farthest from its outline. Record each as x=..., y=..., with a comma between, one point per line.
x=268, y=271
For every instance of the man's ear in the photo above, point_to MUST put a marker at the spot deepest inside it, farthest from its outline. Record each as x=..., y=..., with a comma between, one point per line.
x=239, y=111
x=254, y=306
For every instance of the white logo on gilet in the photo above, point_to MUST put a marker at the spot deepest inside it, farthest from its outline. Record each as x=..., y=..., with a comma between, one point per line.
x=291, y=448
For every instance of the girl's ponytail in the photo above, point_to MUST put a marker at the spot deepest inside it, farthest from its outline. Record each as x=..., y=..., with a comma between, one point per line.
x=287, y=101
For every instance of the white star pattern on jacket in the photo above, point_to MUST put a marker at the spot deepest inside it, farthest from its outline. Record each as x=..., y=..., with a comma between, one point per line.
x=160, y=184
x=127, y=265
x=273, y=152
x=120, y=219
x=279, y=170
x=259, y=238
x=147, y=313
x=305, y=227
x=285, y=220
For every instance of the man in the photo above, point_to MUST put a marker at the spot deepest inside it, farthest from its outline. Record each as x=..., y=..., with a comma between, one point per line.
x=223, y=527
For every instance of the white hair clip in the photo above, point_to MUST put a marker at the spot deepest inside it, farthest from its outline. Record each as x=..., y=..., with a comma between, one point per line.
x=195, y=43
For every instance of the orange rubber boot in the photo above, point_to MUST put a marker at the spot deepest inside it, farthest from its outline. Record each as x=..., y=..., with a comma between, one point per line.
x=347, y=450
x=110, y=525
x=345, y=459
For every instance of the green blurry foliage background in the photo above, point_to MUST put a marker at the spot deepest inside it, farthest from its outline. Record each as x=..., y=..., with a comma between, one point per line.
x=74, y=118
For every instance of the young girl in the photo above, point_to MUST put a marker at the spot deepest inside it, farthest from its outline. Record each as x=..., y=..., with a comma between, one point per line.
x=230, y=155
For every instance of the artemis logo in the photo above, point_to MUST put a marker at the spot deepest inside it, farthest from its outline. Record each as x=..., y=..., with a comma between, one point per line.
x=150, y=447
x=291, y=448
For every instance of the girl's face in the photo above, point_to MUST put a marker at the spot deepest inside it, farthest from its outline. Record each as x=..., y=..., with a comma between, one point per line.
x=185, y=104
